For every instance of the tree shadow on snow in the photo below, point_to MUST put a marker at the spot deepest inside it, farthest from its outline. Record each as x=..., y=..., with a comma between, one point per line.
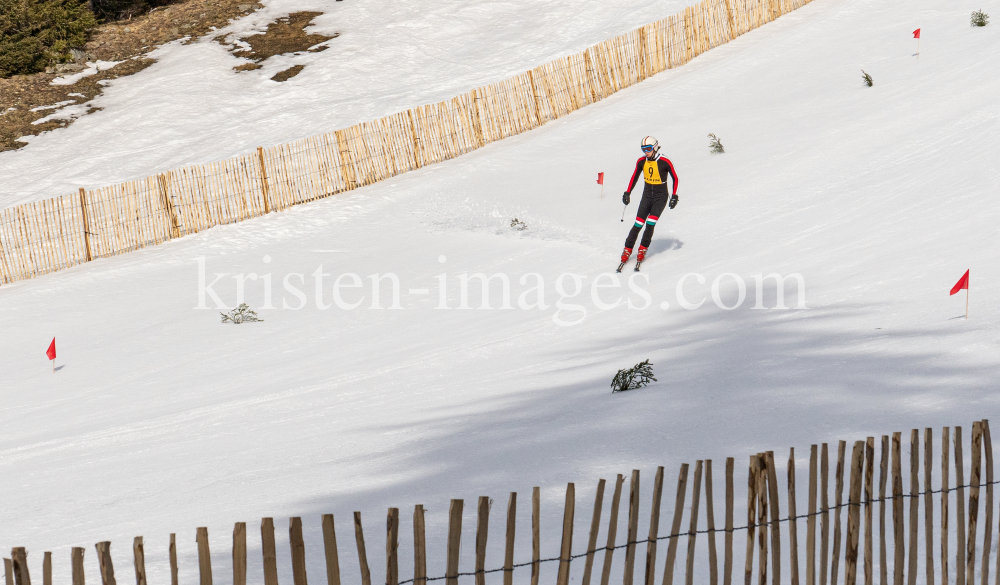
x=729, y=384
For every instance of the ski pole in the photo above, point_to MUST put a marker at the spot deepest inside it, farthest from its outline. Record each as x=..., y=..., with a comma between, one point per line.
x=623, y=213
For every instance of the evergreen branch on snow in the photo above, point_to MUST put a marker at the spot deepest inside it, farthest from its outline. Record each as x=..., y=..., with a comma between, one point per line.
x=715, y=144
x=866, y=78
x=980, y=18
x=637, y=376
x=518, y=225
x=241, y=314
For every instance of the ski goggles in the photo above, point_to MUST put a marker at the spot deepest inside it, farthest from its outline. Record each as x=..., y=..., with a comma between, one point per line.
x=647, y=149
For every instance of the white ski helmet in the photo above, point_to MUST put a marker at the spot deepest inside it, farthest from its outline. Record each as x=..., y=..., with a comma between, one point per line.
x=650, y=146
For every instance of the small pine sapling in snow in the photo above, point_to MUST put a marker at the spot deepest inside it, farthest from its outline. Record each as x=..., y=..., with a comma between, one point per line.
x=866, y=78
x=631, y=378
x=715, y=144
x=518, y=225
x=980, y=18
x=241, y=314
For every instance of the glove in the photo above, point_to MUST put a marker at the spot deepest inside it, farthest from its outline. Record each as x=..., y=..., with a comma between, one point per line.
x=673, y=201
x=626, y=198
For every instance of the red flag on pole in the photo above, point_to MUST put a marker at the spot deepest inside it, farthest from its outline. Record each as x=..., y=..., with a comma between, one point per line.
x=600, y=178
x=916, y=34
x=963, y=283
x=51, y=351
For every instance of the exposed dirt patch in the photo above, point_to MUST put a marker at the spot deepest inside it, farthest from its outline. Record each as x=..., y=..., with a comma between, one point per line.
x=191, y=18
x=288, y=73
x=126, y=40
x=21, y=94
x=286, y=35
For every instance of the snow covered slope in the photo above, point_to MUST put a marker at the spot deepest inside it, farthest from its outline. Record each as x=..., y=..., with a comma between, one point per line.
x=191, y=107
x=162, y=420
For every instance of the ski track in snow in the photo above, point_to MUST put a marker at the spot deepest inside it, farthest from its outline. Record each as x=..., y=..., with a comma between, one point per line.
x=161, y=420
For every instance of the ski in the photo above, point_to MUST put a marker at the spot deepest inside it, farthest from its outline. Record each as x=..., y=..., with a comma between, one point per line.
x=637, y=265
x=620, y=266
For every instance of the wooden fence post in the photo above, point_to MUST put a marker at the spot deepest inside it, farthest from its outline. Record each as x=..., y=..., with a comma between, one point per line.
x=654, y=527
x=762, y=518
x=793, y=529
x=104, y=561
x=391, y=547
x=914, y=503
x=959, y=509
x=508, y=556
x=47, y=568
x=265, y=188
x=139, y=556
x=346, y=160
x=173, y=226
x=8, y=573
x=172, y=553
x=633, y=528
x=772, y=491
x=811, y=522
x=693, y=530
x=595, y=527
x=566, y=548
x=359, y=537
x=974, y=476
x=76, y=561
x=536, y=542
x=945, y=472
x=675, y=526
x=751, y=517
x=988, y=517
x=713, y=556
x=86, y=224
x=899, y=547
x=733, y=32
x=419, y=547
x=477, y=121
x=929, y=507
x=609, y=549
x=19, y=565
x=839, y=499
x=204, y=556
x=454, y=541
x=882, y=480
x=869, y=529
x=268, y=551
x=854, y=514
x=482, y=534
x=297, y=547
x=727, y=565
x=240, y=553
x=824, y=516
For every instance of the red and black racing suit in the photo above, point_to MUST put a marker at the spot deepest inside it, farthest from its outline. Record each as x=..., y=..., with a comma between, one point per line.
x=655, y=196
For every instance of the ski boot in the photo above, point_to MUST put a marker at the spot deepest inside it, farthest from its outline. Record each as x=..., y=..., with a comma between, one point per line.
x=625, y=256
x=639, y=257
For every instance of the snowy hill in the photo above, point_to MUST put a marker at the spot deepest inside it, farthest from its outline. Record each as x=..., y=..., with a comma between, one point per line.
x=191, y=107
x=161, y=419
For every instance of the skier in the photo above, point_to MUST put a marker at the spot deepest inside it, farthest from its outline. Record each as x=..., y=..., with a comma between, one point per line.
x=655, y=196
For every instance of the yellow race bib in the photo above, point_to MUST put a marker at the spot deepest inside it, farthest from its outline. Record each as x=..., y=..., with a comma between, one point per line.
x=651, y=172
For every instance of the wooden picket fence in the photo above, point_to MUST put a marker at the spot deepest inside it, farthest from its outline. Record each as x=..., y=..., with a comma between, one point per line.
x=54, y=234
x=853, y=546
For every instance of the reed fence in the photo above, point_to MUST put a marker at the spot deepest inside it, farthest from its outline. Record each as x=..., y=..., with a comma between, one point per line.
x=844, y=555
x=54, y=234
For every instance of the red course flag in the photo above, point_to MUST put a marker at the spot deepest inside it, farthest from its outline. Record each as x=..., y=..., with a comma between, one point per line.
x=51, y=351
x=600, y=178
x=916, y=34
x=962, y=283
